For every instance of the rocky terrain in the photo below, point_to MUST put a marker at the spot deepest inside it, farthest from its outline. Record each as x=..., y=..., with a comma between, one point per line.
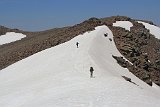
x=139, y=46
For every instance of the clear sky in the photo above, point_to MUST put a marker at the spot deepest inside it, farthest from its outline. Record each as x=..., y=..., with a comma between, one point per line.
x=36, y=15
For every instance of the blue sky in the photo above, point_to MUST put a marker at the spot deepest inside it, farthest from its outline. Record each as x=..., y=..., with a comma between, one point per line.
x=36, y=15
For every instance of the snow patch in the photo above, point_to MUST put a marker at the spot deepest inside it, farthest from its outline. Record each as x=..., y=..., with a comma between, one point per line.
x=11, y=37
x=154, y=30
x=124, y=24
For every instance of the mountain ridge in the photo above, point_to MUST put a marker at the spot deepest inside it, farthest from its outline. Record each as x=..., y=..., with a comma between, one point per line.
x=60, y=77
x=38, y=41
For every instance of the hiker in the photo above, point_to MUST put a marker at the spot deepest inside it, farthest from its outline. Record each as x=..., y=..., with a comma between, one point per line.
x=77, y=44
x=91, y=72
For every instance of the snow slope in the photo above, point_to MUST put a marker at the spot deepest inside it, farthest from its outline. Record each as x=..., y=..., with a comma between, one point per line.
x=124, y=24
x=11, y=37
x=154, y=30
x=59, y=77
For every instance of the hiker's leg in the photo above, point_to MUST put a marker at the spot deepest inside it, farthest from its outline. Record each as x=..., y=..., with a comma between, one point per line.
x=91, y=74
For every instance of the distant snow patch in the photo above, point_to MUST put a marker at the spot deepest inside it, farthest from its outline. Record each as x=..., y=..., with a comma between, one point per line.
x=154, y=30
x=124, y=24
x=11, y=37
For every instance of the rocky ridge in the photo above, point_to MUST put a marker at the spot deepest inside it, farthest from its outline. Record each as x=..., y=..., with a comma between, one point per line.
x=138, y=46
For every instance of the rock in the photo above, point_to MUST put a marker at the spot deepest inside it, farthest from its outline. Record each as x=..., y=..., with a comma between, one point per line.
x=106, y=34
x=157, y=62
x=126, y=49
x=157, y=50
x=121, y=61
x=110, y=39
x=127, y=79
x=146, y=66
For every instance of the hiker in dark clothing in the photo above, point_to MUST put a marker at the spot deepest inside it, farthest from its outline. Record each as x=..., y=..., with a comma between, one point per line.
x=91, y=72
x=77, y=44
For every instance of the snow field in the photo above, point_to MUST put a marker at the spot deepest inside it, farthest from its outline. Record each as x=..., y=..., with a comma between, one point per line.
x=60, y=77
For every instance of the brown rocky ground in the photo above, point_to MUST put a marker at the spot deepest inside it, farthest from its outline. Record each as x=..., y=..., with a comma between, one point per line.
x=138, y=45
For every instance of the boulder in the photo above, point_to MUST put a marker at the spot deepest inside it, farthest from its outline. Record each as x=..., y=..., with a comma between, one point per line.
x=121, y=61
x=127, y=79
